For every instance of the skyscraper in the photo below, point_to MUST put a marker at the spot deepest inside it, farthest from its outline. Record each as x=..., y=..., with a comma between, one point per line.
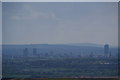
x=25, y=52
x=34, y=52
x=106, y=50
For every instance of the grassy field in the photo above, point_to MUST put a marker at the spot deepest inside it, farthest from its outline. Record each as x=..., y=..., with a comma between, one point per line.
x=66, y=79
x=58, y=68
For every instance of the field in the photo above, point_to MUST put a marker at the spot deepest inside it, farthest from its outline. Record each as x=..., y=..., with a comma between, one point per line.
x=59, y=68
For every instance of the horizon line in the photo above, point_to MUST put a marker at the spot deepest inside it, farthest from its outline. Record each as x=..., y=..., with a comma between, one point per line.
x=55, y=43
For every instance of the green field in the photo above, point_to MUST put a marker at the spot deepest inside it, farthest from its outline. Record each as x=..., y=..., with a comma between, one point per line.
x=59, y=68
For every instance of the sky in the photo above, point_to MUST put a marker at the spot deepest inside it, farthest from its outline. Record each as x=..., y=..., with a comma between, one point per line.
x=60, y=23
x=0, y=40
x=0, y=23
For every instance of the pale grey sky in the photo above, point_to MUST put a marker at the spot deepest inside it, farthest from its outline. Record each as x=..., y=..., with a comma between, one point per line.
x=0, y=22
x=52, y=23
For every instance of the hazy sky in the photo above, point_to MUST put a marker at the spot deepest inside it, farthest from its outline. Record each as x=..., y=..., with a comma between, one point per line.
x=0, y=23
x=38, y=23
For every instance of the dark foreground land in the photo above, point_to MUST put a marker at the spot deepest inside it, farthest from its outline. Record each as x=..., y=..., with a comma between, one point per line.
x=68, y=79
x=72, y=68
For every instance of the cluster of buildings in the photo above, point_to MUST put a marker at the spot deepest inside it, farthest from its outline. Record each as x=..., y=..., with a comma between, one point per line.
x=26, y=52
x=107, y=53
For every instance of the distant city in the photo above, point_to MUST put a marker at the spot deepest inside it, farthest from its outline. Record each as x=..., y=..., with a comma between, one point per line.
x=26, y=53
x=55, y=60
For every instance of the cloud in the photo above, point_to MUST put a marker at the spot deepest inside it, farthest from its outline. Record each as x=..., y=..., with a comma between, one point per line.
x=28, y=13
x=34, y=15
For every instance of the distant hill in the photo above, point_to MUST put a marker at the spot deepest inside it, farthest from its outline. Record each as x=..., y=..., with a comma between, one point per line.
x=58, y=45
x=86, y=44
x=75, y=48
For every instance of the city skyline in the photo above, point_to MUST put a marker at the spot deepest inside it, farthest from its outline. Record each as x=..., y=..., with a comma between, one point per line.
x=59, y=23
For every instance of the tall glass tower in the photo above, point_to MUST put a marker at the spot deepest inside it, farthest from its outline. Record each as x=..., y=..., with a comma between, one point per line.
x=106, y=50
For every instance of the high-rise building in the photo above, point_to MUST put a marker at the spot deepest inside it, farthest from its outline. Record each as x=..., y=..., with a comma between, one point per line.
x=25, y=52
x=110, y=55
x=34, y=52
x=106, y=50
